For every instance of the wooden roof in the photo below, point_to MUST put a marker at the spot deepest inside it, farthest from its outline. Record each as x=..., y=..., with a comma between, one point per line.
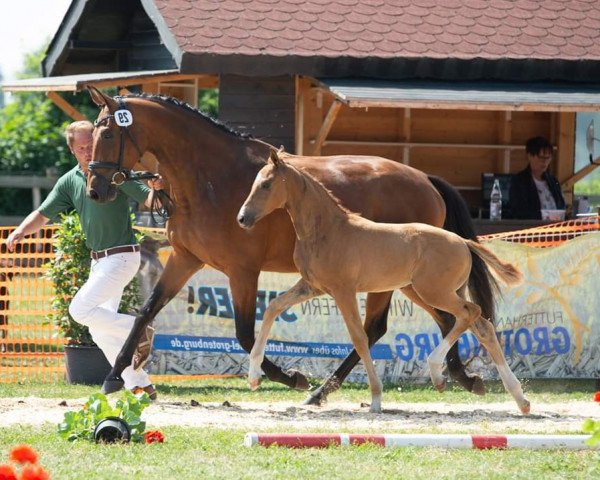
x=521, y=40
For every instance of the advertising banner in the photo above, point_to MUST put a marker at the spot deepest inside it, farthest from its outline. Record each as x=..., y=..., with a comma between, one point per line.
x=548, y=326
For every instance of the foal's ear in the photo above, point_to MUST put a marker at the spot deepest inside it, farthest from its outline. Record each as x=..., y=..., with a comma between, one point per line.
x=101, y=99
x=274, y=158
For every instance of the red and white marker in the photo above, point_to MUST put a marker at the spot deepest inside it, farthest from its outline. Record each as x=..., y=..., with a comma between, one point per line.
x=465, y=441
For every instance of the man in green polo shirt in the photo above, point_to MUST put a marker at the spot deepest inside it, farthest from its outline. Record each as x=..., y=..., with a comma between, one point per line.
x=115, y=252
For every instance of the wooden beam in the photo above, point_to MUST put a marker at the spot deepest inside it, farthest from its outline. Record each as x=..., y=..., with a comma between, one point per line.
x=65, y=106
x=27, y=181
x=407, y=130
x=364, y=103
x=326, y=126
x=505, y=137
x=299, y=140
x=571, y=181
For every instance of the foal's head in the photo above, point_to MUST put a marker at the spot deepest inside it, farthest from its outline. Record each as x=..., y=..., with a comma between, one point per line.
x=268, y=192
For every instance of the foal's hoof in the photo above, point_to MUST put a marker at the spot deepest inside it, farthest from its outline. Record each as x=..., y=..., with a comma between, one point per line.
x=478, y=388
x=440, y=386
x=113, y=384
x=300, y=381
x=254, y=383
x=525, y=407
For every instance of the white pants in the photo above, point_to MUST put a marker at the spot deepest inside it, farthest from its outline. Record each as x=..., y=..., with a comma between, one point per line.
x=96, y=306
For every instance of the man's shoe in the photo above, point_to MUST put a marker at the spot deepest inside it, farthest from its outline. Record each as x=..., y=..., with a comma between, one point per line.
x=149, y=389
x=144, y=348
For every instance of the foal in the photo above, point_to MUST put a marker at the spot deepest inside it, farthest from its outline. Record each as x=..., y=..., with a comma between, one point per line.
x=341, y=253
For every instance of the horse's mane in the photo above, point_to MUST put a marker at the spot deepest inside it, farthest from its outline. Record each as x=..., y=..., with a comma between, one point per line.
x=186, y=106
x=320, y=186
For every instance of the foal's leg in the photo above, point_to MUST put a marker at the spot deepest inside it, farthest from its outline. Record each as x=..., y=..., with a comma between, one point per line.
x=346, y=301
x=486, y=334
x=378, y=305
x=244, y=285
x=446, y=322
x=300, y=292
x=465, y=313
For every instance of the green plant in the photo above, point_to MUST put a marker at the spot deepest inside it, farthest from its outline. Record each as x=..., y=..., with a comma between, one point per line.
x=80, y=425
x=68, y=271
x=593, y=427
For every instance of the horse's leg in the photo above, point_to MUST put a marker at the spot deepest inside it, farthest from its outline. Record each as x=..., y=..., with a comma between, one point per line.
x=346, y=302
x=180, y=267
x=300, y=292
x=244, y=285
x=465, y=313
x=455, y=367
x=486, y=334
x=378, y=305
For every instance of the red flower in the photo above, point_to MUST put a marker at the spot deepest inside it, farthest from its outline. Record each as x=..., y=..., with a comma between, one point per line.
x=597, y=397
x=34, y=472
x=23, y=454
x=7, y=472
x=154, y=436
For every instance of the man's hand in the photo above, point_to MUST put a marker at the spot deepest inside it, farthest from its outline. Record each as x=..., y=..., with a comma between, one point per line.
x=156, y=183
x=15, y=237
x=32, y=223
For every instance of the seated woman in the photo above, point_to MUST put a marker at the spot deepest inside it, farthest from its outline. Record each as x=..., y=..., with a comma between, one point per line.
x=534, y=189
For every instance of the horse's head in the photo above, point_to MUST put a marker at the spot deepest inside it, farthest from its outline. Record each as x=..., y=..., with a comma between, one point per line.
x=114, y=150
x=268, y=192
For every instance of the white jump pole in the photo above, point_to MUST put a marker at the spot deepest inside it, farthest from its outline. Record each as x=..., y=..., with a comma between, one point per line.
x=464, y=441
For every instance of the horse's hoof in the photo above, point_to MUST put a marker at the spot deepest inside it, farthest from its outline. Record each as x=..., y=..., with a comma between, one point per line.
x=254, y=383
x=112, y=385
x=525, y=407
x=478, y=387
x=440, y=386
x=300, y=381
x=317, y=400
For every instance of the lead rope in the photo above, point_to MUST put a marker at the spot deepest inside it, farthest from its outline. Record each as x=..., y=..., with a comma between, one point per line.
x=161, y=204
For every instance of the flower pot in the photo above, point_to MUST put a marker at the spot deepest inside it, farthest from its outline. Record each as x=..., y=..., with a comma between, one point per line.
x=112, y=430
x=86, y=364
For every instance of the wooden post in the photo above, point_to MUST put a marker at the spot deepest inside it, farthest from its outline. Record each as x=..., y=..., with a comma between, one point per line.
x=65, y=106
x=565, y=155
x=299, y=116
x=407, y=124
x=505, y=134
x=326, y=127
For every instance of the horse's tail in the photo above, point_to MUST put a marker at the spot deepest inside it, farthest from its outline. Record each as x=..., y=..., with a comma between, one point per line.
x=506, y=272
x=482, y=285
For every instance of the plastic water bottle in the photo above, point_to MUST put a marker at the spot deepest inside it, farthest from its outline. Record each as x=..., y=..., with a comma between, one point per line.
x=496, y=202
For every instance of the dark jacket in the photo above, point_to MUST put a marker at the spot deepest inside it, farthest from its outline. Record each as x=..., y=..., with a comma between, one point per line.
x=523, y=199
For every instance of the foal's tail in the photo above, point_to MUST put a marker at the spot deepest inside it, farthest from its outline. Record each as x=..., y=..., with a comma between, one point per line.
x=505, y=271
x=483, y=287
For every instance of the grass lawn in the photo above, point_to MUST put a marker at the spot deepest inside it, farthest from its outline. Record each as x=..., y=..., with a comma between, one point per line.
x=212, y=453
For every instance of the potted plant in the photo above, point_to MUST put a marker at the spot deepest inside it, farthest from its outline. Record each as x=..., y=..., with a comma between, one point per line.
x=68, y=271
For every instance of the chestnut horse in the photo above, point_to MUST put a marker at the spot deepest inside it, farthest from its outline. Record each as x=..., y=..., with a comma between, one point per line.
x=341, y=253
x=210, y=169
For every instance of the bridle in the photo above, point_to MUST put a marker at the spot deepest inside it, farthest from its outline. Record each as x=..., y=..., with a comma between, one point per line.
x=122, y=116
x=161, y=203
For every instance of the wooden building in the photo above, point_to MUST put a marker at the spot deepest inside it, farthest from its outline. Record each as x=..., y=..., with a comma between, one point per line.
x=452, y=88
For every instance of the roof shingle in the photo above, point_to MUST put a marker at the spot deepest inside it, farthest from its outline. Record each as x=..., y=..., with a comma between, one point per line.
x=487, y=29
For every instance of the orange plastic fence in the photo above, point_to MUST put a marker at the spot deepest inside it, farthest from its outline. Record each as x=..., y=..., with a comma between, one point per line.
x=550, y=235
x=31, y=348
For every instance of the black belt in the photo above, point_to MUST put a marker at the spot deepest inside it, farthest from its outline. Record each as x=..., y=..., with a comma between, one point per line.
x=113, y=251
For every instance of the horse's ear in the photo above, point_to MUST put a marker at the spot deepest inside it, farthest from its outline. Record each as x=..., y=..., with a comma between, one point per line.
x=101, y=99
x=274, y=158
